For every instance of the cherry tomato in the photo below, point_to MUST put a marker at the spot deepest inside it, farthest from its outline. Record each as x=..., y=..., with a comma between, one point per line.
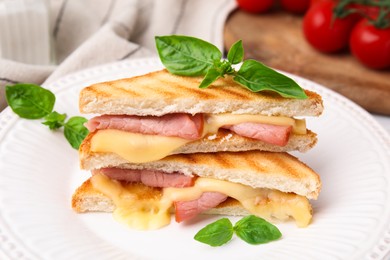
x=295, y=6
x=325, y=33
x=371, y=45
x=314, y=2
x=255, y=6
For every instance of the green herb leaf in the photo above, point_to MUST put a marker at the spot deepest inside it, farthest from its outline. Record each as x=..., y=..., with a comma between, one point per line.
x=236, y=53
x=75, y=131
x=211, y=76
x=30, y=101
x=54, y=120
x=187, y=56
x=255, y=230
x=258, y=77
x=216, y=233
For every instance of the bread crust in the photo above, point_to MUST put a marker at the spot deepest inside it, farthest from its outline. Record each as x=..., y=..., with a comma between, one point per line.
x=280, y=171
x=160, y=92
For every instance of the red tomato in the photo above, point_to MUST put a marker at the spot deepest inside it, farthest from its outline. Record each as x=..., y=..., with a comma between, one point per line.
x=371, y=45
x=295, y=6
x=324, y=33
x=314, y=2
x=255, y=6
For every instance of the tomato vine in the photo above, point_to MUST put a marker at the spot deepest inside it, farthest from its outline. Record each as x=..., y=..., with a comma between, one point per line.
x=382, y=8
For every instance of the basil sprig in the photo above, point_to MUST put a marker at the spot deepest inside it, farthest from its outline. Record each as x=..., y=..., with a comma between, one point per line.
x=31, y=101
x=190, y=56
x=251, y=229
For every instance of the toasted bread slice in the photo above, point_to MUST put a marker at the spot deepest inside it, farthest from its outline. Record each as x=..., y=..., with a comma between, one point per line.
x=158, y=93
x=280, y=171
x=276, y=207
x=224, y=140
x=87, y=199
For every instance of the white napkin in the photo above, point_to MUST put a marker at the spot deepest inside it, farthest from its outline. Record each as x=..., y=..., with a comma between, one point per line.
x=92, y=32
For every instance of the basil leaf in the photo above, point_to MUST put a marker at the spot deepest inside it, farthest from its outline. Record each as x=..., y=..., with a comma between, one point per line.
x=187, y=56
x=29, y=100
x=255, y=230
x=211, y=76
x=236, y=53
x=54, y=120
x=258, y=77
x=216, y=233
x=75, y=131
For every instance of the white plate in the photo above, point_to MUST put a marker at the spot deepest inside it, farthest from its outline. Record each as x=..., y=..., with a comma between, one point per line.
x=39, y=172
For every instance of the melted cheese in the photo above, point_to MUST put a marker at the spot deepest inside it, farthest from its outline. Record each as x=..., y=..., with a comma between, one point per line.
x=137, y=206
x=140, y=148
x=214, y=121
x=135, y=148
x=150, y=209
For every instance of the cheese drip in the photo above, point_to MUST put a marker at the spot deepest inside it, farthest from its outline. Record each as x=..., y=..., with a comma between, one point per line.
x=137, y=206
x=141, y=148
x=142, y=207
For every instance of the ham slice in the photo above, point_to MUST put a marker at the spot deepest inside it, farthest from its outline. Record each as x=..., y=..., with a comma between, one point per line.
x=185, y=210
x=273, y=134
x=187, y=127
x=151, y=178
x=180, y=125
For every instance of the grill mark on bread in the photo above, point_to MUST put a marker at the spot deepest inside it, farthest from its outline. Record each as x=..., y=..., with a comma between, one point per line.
x=223, y=161
x=190, y=88
x=188, y=158
x=110, y=89
x=122, y=88
x=282, y=162
x=253, y=163
x=95, y=92
x=129, y=91
x=124, y=85
x=164, y=92
x=233, y=92
x=188, y=91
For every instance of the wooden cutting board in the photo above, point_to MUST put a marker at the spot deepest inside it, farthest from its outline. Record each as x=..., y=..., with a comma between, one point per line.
x=277, y=40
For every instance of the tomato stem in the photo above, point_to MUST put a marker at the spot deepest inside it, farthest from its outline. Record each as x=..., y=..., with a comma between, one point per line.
x=382, y=21
x=348, y=7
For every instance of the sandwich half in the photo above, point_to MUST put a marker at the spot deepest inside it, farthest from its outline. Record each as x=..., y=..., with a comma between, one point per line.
x=149, y=117
x=275, y=186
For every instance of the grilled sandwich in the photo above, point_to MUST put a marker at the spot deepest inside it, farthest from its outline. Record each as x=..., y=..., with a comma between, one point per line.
x=171, y=113
x=160, y=145
x=275, y=186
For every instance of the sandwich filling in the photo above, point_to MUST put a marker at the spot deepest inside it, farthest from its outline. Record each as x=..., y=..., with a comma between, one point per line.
x=144, y=199
x=135, y=138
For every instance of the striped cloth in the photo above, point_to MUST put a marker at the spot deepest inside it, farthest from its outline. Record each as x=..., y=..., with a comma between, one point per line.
x=92, y=32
